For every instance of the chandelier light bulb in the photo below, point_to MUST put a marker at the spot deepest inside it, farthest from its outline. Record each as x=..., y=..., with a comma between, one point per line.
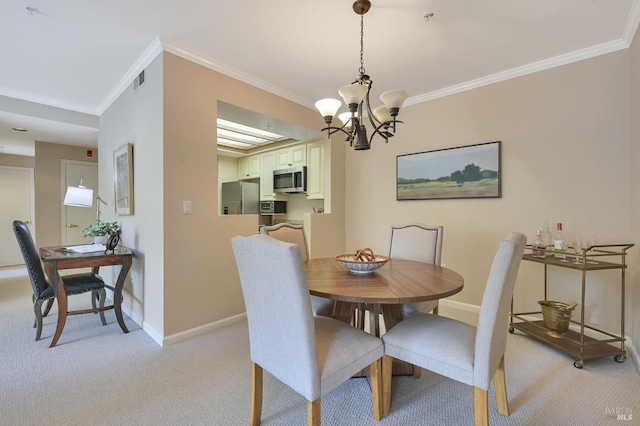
x=328, y=107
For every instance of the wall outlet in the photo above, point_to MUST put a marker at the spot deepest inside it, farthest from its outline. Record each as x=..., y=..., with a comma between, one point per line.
x=186, y=207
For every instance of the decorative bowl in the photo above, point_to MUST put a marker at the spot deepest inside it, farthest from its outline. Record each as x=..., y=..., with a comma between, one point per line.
x=361, y=267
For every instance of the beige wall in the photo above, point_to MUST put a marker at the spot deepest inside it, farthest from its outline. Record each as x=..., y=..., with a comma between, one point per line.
x=48, y=189
x=634, y=176
x=17, y=161
x=183, y=280
x=201, y=281
x=565, y=149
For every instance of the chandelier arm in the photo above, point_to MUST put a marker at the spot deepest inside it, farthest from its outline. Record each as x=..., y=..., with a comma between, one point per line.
x=331, y=130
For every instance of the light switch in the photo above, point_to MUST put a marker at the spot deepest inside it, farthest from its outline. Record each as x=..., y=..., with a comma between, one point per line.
x=186, y=207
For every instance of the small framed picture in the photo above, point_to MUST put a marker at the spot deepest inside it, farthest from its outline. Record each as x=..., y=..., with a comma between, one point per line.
x=471, y=171
x=123, y=173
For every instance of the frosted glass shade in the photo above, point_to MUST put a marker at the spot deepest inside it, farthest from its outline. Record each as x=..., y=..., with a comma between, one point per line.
x=344, y=117
x=78, y=197
x=394, y=98
x=328, y=107
x=353, y=93
x=382, y=114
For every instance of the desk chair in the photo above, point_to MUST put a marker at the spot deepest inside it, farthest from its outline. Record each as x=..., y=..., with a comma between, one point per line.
x=44, y=290
x=311, y=354
x=471, y=355
x=294, y=234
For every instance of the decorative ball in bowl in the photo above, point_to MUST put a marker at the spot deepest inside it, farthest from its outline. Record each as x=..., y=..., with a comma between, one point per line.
x=363, y=262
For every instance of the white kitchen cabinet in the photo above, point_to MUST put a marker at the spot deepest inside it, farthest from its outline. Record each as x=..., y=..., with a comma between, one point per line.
x=267, y=162
x=315, y=170
x=291, y=156
x=249, y=167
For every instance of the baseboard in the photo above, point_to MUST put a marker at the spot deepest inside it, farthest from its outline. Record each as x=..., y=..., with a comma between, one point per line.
x=203, y=329
x=460, y=306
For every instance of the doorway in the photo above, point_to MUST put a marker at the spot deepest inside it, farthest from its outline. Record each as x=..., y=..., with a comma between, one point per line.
x=17, y=193
x=75, y=219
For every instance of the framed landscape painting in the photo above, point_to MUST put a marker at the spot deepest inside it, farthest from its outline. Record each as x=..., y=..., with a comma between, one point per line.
x=471, y=171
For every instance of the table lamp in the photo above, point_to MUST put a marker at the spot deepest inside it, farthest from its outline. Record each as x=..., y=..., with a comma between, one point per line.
x=80, y=196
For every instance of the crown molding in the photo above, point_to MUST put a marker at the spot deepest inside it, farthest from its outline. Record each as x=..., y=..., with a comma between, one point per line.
x=150, y=53
x=52, y=102
x=545, y=64
x=234, y=73
x=633, y=21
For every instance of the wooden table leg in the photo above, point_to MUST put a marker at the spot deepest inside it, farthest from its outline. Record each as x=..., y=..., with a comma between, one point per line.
x=117, y=292
x=61, y=298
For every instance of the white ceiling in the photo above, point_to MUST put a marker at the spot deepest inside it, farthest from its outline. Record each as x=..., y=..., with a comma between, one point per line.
x=78, y=55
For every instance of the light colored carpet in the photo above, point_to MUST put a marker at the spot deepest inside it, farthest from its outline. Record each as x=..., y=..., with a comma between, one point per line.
x=99, y=376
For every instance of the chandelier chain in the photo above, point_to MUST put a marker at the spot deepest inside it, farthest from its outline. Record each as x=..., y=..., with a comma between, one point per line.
x=362, y=71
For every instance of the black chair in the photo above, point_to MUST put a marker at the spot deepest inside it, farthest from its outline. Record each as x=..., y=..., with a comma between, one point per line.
x=42, y=288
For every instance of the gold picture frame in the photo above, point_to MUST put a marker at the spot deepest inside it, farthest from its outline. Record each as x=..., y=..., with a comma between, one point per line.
x=123, y=179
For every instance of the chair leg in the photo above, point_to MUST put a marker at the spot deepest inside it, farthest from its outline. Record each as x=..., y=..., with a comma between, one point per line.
x=387, y=367
x=101, y=298
x=256, y=394
x=481, y=406
x=500, y=383
x=417, y=372
x=376, y=389
x=48, y=307
x=37, y=309
x=435, y=310
x=95, y=297
x=313, y=413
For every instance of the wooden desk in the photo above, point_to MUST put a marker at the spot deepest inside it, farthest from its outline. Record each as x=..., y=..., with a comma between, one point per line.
x=55, y=261
x=384, y=291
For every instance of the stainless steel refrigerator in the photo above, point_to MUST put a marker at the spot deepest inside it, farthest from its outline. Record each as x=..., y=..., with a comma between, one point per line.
x=240, y=198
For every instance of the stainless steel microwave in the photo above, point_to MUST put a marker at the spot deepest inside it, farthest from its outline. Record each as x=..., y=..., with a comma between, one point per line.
x=290, y=180
x=273, y=207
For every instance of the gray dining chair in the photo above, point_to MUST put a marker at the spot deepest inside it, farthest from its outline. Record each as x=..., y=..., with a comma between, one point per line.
x=311, y=354
x=294, y=234
x=420, y=243
x=468, y=354
x=43, y=289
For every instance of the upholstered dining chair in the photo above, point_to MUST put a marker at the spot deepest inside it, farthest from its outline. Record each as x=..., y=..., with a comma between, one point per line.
x=295, y=234
x=310, y=354
x=42, y=287
x=471, y=355
x=421, y=243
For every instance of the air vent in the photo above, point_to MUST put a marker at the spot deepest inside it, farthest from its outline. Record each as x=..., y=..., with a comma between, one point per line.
x=139, y=81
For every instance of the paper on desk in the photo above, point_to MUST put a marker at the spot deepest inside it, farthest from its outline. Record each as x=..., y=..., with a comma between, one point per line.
x=87, y=248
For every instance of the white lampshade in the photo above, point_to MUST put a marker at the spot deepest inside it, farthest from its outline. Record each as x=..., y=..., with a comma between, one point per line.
x=394, y=98
x=328, y=107
x=78, y=197
x=353, y=93
x=345, y=117
x=382, y=114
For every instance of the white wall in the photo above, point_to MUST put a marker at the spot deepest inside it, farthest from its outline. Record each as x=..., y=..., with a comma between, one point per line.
x=137, y=118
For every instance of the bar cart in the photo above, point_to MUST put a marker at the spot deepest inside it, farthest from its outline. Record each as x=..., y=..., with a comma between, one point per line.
x=599, y=343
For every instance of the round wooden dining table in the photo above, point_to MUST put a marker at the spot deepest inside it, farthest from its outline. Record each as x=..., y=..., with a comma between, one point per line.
x=381, y=292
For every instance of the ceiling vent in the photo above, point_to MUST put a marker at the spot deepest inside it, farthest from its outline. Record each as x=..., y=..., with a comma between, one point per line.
x=139, y=81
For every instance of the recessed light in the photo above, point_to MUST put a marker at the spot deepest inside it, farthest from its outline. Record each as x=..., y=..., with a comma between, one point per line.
x=18, y=129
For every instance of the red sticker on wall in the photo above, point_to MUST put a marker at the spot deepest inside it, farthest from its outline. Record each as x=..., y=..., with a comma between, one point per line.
x=89, y=153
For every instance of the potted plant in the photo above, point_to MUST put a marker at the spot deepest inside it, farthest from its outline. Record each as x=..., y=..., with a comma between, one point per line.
x=101, y=231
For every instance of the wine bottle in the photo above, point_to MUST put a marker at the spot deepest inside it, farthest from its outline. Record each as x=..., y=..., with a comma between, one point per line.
x=558, y=241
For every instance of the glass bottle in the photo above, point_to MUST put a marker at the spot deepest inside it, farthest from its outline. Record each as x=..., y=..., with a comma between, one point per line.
x=558, y=243
x=538, y=248
x=546, y=235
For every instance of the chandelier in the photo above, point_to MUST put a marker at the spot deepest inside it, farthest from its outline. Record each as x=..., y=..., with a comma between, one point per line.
x=356, y=96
